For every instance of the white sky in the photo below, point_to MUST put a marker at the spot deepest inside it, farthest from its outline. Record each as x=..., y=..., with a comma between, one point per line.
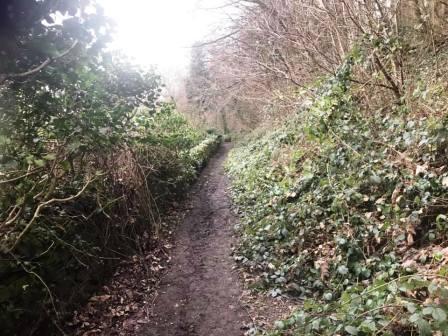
x=161, y=32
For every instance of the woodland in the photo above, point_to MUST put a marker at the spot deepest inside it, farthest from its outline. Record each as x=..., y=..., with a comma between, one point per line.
x=338, y=115
x=89, y=155
x=339, y=173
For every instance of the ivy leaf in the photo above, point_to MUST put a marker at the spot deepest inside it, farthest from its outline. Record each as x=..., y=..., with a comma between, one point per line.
x=439, y=315
x=427, y=310
x=65, y=165
x=411, y=307
x=351, y=330
x=74, y=145
x=279, y=325
x=424, y=328
x=445, y=181
x=50, y=157
x=432, y=288
x=342, y=270
x=375, y=179
x=39, y=163
x=328, y=296
x=368, y=326
x=414, y=318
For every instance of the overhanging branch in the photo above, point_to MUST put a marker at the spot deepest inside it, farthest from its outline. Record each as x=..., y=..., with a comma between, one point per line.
x=49, y=60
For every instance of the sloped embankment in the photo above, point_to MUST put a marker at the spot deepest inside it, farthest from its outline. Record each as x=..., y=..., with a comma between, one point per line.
x=347, y=209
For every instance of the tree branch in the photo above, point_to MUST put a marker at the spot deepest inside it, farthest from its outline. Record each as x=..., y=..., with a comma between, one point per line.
x=216, y=40
x=41, y=206
x=4, y=77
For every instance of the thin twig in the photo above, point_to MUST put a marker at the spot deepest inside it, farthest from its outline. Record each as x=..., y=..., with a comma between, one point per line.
x=4, y=77
x=42, y=206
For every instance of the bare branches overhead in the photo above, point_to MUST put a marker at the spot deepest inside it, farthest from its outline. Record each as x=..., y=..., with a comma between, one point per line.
x=284, y=45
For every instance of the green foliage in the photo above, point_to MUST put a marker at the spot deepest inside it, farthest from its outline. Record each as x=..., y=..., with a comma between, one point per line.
x=172, y=130
x=69, y=237
x=338, y=202
x=387, y=308
x=200, y=153
x=31, y=32
x=88, y=157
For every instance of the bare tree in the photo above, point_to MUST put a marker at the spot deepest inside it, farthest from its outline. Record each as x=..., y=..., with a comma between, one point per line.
x=275, y=49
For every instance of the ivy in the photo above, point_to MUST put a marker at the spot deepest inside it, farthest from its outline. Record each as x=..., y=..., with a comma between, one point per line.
x=347, y=215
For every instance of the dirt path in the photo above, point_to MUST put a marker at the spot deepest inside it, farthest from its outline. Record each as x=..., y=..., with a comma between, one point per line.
x=199, y=295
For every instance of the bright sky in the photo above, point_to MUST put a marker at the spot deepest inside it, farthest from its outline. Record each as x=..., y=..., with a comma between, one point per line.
x=161, y=32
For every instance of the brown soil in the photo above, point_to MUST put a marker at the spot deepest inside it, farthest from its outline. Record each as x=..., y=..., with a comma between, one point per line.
x=200, y=293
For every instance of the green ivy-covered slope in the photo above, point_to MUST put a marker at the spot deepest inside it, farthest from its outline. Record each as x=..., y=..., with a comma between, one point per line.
x=348, y=210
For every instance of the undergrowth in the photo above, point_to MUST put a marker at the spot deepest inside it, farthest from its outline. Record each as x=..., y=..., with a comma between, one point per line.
x=70, y=210
x=346, y=208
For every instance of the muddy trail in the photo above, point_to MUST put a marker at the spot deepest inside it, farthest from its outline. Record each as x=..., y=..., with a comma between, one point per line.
x=200, y=293
x=188, y=284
